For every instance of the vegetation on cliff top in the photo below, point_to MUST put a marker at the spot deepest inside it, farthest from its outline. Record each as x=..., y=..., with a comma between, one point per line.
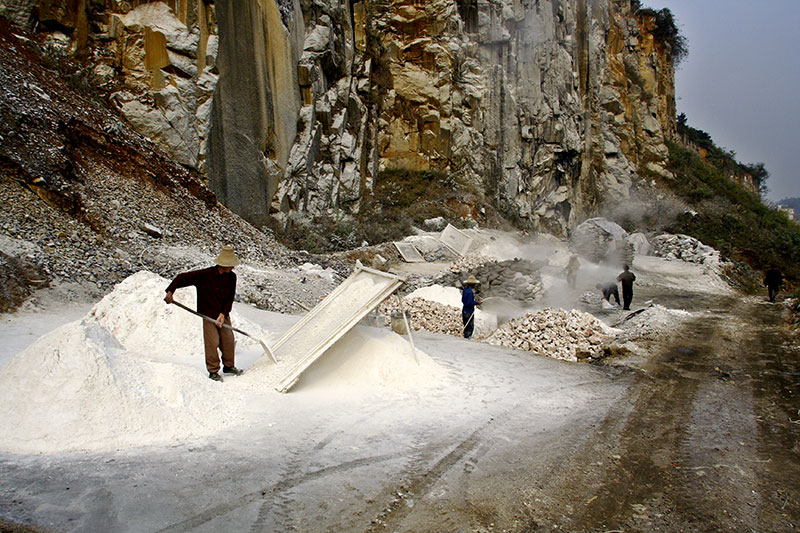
x=665, y=31
x=727, y=216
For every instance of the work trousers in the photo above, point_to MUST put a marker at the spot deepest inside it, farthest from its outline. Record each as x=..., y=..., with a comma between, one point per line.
x=614, y=293
x=220, y=339
x=468, y=319
x=773, y=292
x=627, y=297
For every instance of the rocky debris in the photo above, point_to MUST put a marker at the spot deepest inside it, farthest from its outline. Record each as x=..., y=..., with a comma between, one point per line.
x=515, y=279
x=18, y=279
x=425, y=314
x=652, y=323
x=431, y=316
x=83, y=197
x=469, y=262
x=292, y=290
x=685, y=248
x=568, y=335
x=603, y=241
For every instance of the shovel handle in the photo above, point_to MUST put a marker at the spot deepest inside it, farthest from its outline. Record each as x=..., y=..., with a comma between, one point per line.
x=209, y=318
x=237, y=330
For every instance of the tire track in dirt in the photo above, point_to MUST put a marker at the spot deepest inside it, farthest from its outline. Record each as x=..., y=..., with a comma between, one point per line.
x=689, y=450
x=775, y=383
x=268, y=493
x=419, y=478
x=629, y=464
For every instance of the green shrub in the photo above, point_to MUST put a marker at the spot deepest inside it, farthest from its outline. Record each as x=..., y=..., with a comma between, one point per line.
x=731, y=218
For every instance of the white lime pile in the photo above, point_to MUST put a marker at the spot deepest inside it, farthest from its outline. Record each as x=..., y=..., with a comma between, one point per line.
x=655, y=321
x=569, y=335
x=132, y=373
x=128, y=374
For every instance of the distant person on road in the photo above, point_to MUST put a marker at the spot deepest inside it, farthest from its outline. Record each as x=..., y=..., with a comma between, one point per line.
x=773, y=279
x=626, y=278
x=571, y=270
x=609, y=290
x=468, y=303
x=216, y=288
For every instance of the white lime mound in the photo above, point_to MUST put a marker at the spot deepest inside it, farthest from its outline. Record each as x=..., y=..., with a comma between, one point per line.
x=78, y=388
x=374, y=357
x=132, y=373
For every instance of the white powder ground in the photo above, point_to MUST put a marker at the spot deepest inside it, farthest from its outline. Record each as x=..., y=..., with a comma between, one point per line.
x=132, y=373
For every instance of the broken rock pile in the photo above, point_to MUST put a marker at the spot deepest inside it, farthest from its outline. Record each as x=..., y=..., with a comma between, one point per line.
x=516, y=279
x=685, y=248
x=568, y=335
x=425, y=314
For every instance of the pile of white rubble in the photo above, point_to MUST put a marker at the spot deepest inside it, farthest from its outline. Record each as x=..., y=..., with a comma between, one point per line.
x=654, y=322
x=436, y=317
x=426, y=314
x=568, y=335
x=470, y=262
x=685, y=248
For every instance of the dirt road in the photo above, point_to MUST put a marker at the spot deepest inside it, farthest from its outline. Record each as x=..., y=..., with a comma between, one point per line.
x=710, y=441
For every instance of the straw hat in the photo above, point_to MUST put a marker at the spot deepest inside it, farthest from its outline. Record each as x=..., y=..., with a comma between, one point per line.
x=226, y=257
x=472, y=280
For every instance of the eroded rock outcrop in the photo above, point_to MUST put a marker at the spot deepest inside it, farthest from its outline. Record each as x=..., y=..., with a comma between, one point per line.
x=291, y=108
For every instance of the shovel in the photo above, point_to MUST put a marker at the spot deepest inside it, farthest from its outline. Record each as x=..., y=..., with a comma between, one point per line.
x=266, y=349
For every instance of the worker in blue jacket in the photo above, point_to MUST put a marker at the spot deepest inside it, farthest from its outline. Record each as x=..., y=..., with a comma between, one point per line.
x=468, y=302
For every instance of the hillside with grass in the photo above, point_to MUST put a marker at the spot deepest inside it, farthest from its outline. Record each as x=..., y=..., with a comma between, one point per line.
x=725, y=214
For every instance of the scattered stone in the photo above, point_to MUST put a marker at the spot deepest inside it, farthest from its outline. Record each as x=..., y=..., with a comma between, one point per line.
x=568, y=335
x=431, y=316
x=685, y=248
x=153, y=231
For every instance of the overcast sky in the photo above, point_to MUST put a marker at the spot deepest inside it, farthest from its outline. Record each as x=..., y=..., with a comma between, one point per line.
x=741, y=81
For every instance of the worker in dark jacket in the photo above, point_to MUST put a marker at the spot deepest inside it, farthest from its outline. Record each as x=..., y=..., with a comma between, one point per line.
x=468, y=302
x=609, y=290
x=216, y=288
x=626, y=278
x=773, y=279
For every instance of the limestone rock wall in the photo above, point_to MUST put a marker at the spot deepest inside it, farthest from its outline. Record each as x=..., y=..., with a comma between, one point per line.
x=290, y=108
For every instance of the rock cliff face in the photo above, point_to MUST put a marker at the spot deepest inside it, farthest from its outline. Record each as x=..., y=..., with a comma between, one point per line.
x=291, y=108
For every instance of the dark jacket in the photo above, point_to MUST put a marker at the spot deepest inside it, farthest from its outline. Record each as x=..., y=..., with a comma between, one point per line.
x=773, y=278
x=468, y=300
x=626, y=278
x=609, y=289
x=215, y=291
